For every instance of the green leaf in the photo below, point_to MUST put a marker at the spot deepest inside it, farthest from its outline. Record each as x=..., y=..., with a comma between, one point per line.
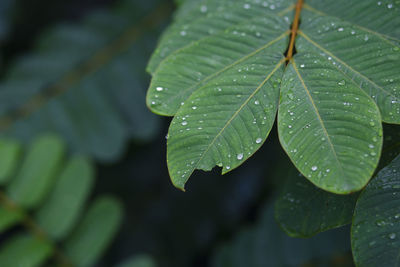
x=9, y=218
x=24, y=250
x=334, y=94
x=226, y=118
x=213, y=21
x=368, y=54
x=266, y=245
x=61, y=210
x=38, y=172
x=80, y=71
x=330, y=129
x=139, y=261
x=9, y=156
x=376, y=223
x=303, y=210
x=95, y=232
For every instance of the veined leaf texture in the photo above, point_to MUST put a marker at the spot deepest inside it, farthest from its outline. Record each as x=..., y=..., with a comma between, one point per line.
x=223, y=71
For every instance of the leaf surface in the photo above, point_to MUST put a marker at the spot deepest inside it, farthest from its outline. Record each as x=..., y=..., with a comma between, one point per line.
x=330, y=129
x=335, y=92
x=9, y=156
x=24, y=250
x=376, y=223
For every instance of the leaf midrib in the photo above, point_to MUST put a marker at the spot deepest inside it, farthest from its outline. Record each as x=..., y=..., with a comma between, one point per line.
x=203, y=82
x=319, y=117
x=236, y=113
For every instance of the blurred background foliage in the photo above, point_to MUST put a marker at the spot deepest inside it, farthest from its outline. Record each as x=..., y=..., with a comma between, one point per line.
x=75, y=69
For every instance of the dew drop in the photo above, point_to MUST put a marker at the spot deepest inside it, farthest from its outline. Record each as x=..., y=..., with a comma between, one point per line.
x=314, y=168
x=342, y=82
x=392, y=236
x=159, y=89
x=240, y=156
x=184, y=123
x=256, y=102
x=258, y=140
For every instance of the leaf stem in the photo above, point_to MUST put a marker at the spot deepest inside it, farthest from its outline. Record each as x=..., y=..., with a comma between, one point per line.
x=295, y=28
x=35, y=229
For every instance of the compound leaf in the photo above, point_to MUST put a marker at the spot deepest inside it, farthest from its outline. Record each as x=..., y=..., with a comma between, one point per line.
x=85, y=82
x=335, y=92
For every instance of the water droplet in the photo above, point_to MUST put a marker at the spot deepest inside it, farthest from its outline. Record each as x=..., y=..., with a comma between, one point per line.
x=314, y=168
x=328, y=170
x=302, y=66
x=340, y=29
x=258, y=140
x=246, y=6
x=203, y=9
x=380, y=223
x=194, y=107
x=240, y=156
x=342, y=82
x=184, y=123
x=392, y=236
x=183, y=33
x=256, y=102
x=228, y=167
x=159, y=89
x=390, y=6
x=371, y=146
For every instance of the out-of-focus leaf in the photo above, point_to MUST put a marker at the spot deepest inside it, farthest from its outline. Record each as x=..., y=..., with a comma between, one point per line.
x=376, y=222
x=139, y=261
x=38, y=172
x=86, y=82
x=95, y=232
x=266, y=245
x=9, y=156
x=9, y=218
x=67, y=199
x=303, y=210
x=24, y=250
